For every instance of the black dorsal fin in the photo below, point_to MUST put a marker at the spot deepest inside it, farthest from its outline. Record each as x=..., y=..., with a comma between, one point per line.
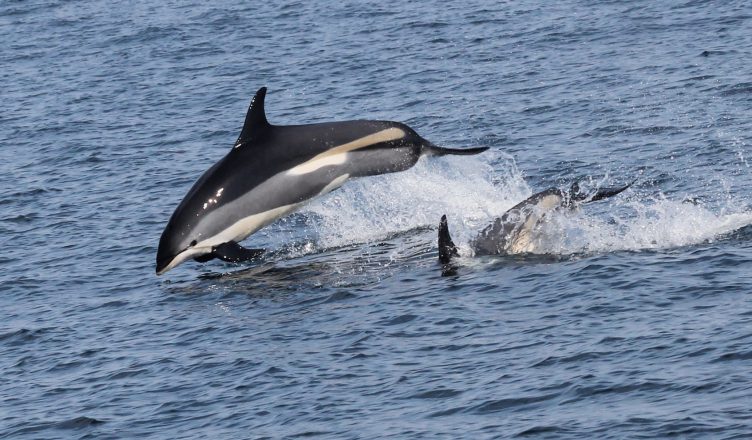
x=255, y=120
x=447, y=249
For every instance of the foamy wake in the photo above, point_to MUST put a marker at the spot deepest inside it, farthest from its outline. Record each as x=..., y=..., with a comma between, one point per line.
x=647, y=224
x=471, y=192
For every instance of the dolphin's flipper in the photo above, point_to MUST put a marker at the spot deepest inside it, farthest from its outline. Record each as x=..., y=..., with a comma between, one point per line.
x=235, y=253
x=604, y=193
x=447, y=249
x=433, y=150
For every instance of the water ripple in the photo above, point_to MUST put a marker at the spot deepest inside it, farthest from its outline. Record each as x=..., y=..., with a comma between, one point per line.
x=631, y=320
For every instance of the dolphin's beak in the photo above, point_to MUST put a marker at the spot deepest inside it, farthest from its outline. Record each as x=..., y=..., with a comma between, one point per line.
x=166, y=262
x=170, y=262
x=167, y=259
x=163, y=265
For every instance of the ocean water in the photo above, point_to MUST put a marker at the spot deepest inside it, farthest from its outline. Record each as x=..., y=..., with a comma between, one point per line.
x=632, y=318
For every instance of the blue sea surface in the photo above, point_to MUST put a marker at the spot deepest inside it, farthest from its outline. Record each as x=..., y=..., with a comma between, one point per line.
x=632, y=317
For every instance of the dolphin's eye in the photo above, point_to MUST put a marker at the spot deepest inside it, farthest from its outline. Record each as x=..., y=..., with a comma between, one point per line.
x=193, y=243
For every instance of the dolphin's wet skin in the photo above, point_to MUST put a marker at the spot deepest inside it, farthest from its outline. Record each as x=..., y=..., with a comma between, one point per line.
x=271, y=170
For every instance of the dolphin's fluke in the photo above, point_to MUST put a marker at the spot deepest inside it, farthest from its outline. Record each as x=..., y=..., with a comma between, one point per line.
x=433, y=150
x=447, y=249
x=576, y=196
x=235, y=253
x=604, y=193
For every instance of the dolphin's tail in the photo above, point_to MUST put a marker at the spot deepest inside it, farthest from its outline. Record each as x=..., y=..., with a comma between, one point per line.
x=430, y=149
x=447, y=249
x=602, y=193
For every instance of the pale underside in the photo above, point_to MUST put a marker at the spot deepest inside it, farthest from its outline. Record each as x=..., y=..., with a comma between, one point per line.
x=521, y=240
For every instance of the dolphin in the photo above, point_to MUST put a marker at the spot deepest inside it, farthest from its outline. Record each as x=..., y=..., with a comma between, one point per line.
x=512, y=233
x=271, y=170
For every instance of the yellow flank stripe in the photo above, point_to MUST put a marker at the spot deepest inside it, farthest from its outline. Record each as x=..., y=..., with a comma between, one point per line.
x=329, y=157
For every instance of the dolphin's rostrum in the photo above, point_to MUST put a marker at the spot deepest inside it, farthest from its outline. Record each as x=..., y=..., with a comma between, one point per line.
x=273, y=169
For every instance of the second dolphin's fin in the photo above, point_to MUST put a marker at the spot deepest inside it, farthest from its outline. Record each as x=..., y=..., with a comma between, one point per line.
x=447, y=249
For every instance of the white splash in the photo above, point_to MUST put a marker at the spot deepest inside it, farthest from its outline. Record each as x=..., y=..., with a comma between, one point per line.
x=465, y=188
x=655, y=223
x=471, y=193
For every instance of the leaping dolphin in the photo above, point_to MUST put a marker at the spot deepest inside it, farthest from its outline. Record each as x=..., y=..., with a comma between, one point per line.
x=512, y=233
x=271, y=170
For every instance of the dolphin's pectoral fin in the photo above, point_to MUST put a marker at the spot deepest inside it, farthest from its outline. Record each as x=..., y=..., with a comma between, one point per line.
x=235, y=253
x=204, y=258
x=255, y=119
x=230, y=252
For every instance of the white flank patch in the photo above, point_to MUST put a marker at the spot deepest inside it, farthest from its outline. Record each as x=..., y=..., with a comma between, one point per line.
x=338, y=155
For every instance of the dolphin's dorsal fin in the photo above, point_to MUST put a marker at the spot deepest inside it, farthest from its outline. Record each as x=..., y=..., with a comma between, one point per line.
x=255, y=119
x=447, y=248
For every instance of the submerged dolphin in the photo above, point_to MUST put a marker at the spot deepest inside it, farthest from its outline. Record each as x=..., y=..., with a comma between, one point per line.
x=273, y=169
x=512, y=233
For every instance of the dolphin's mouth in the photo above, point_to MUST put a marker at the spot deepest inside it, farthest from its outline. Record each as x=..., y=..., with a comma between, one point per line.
x=162, y=267
x=166, y=264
